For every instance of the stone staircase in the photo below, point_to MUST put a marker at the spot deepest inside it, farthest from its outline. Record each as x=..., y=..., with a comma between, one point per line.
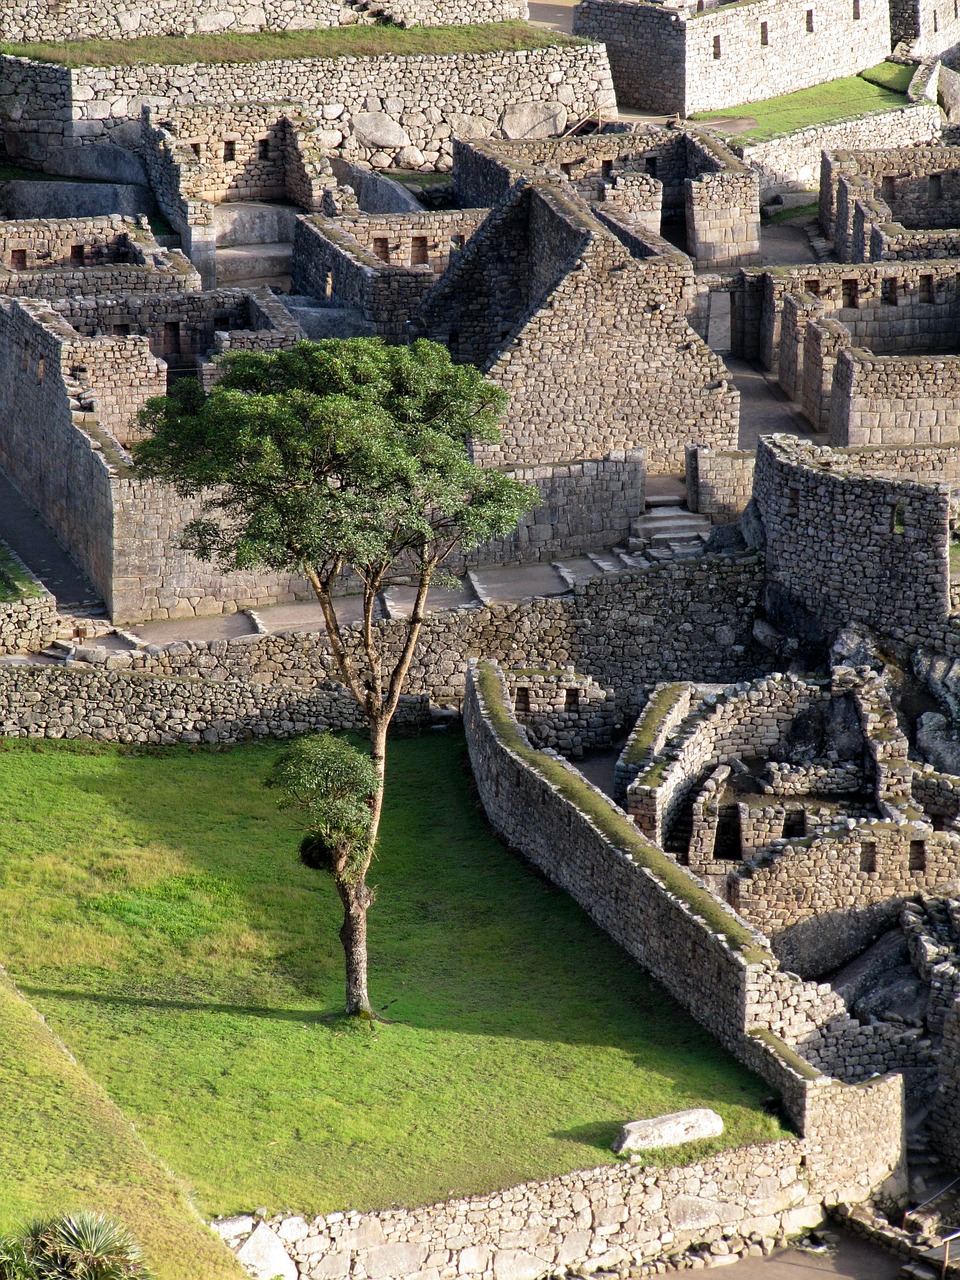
x=254, y=243
x=668, y=531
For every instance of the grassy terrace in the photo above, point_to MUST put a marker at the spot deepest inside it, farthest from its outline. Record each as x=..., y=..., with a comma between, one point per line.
x=337, y=42
x=15, y=582
x=879, y=89
x=152, y=908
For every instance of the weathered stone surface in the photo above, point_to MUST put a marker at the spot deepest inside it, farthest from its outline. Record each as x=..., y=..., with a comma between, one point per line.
x=517, y=1264
x=669, y=1130
x=265, y=1258
x=376, y=129
x=533, y=120
x=390, y=1260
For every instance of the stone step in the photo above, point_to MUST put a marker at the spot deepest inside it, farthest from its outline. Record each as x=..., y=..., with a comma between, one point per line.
x=254, y=262
x=677, y=538
x=655, y=500
x=250, y=222
x=606, y=562
x=670, y=518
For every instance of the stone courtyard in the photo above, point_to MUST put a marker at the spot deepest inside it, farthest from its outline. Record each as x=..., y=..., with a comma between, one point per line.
x=711, y=684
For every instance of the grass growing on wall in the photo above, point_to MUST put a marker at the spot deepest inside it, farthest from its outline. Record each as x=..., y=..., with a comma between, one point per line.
x=836, y=100
x=259, y=46
x=614, y=824
x=152, y=907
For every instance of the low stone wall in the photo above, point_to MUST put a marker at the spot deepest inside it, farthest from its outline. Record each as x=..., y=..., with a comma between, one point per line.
x=605, y=1218
x=81, y=701
x=381, y=106
x=719, y=482
x=729, y=983
x=30, y=623
x=625, y=630
x=794, y=159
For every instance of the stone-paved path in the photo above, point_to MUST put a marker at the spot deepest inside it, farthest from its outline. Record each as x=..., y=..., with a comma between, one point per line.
x=854, y=1259
x=34, y=542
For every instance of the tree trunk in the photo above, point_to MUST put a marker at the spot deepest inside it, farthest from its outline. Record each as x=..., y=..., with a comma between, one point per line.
x=355, y=895
x=356, y=898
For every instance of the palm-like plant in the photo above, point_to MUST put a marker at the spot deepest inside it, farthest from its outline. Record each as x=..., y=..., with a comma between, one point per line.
x=79, y=1246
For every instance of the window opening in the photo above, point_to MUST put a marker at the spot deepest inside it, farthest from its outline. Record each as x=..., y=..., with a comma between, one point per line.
x=716, y=46
x=418, y=252
x=918, y=855
x=868, y=856
x=229, y=152
x=764, y=34
x=522, y=703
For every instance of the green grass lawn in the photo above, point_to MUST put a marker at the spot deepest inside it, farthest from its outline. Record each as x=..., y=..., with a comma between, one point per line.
x=335, y=42
x=15, y=582
x=64, y=1145
x=152, y=907
x=880, y=89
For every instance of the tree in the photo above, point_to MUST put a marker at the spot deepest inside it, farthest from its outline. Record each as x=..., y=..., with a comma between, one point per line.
x=334, y=785
x=345, y=454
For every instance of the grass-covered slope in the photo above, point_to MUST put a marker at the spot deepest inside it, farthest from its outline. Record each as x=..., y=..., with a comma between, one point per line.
x=65, y=1146
x=334, y=42
x=879, y=89
x=151, y=905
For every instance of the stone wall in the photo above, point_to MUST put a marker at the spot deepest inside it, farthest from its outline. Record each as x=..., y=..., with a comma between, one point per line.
x=625, y=630
x=381, y=105
x=894, y=400
x=624, y=888
x=380, y=264
x=724, y=56
x=527, y=301
x=32, y=20
x=844, y=544
x=794, y=159
x=719, y=483
x=562, y=710
x=57, y=258
x=28, y=622
x=823, y=900
x=62, y=390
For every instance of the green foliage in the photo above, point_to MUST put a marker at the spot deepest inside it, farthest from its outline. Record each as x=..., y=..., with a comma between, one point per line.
x=520, y=1037
x=890, y=75
x=345, y=451
x=332, y=784
x=80, y=1246
x=15, y=582
x=836, y=100
x=334, y=42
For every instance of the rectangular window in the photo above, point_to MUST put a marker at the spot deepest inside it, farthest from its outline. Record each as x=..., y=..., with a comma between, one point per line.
x=606, y=169
x=41, y=366
x=856, y=10
x=898, y=522
x=522, y=704
x=195, y=148
x=263, y=149
x=793, y=501
x=918, y=855
x=328, y=285
x=381, y=248
x=888, y=291
x=926, y=288
x=809, y=19
x=650, y=166
x=78, y=255
x=868, y=856
x=418, y=252
x=18, y=259
x=851, y=294
x=888, y=188
x=229, y=152
x=764, y=34
x=716, y=47
x=812, y=286
x=795, y=823
x=571, y=700
x=936, y=21
x=171, y=338
x=935, y=186
x=121, y=331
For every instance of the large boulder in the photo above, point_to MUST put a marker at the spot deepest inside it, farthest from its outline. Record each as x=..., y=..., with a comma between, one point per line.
x=533, y=120
x=670, y=1130
x=376, y=129
x=264, y=1257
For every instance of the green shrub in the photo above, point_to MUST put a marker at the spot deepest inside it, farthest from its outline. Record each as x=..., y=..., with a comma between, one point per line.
x=80, y=1246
